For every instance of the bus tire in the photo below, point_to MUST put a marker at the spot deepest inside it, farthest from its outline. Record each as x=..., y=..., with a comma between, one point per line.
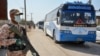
x=46, y=33
x=54, y=38
x=81, y=42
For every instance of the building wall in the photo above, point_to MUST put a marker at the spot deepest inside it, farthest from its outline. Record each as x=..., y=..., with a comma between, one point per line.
x=98, y=20
x=3, y=10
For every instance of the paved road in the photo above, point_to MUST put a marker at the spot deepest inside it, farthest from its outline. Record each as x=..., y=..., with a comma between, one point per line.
x=46, y=46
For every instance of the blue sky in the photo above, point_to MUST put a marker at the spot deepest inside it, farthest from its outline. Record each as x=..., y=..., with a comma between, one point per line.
x=40, y=8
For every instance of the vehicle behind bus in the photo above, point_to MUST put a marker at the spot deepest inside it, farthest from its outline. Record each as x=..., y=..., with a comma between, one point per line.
x=73, y=22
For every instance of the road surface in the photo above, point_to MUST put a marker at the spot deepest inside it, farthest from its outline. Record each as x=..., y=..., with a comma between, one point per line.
x=47, y=47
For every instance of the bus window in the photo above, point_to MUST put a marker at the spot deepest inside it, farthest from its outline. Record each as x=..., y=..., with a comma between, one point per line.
x=88, y=18
x=72, y=17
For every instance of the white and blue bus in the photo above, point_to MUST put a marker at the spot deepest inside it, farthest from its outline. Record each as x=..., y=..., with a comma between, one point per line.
x=73, y=22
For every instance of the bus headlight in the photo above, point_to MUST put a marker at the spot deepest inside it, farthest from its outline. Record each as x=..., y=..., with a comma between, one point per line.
x=91, y=32
x=66, y=31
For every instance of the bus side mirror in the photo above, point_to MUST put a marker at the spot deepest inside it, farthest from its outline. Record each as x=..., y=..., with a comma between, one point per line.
x=58, y=15
x=57, y=20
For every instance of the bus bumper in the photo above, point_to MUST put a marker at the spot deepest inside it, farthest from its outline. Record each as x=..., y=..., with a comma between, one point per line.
x=71, y=37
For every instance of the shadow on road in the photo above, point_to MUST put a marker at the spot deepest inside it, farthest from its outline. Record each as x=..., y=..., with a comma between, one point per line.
x=89, y=48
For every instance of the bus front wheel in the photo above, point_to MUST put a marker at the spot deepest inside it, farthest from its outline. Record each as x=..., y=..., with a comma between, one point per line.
x=80, y=42
x=46, y=33
x=54, y=37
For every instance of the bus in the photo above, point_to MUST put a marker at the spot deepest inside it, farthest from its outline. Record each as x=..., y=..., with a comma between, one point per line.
x=73, y=22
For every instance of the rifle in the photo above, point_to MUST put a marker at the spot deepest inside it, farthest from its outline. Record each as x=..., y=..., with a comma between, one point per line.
x=24, y=37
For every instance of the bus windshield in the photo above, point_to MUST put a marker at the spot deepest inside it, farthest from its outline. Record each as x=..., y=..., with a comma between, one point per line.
x=78, y=17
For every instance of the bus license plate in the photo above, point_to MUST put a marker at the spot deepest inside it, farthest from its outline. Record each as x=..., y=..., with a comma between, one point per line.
x=79, y=39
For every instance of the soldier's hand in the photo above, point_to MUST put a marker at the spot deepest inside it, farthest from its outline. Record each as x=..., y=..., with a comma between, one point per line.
x=11, y=41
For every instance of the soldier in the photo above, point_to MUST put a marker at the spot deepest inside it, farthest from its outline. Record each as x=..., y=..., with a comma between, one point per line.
x=14, y=37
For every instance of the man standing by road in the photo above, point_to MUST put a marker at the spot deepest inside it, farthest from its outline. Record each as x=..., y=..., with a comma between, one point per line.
x=15, y=19
x=12, y=35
